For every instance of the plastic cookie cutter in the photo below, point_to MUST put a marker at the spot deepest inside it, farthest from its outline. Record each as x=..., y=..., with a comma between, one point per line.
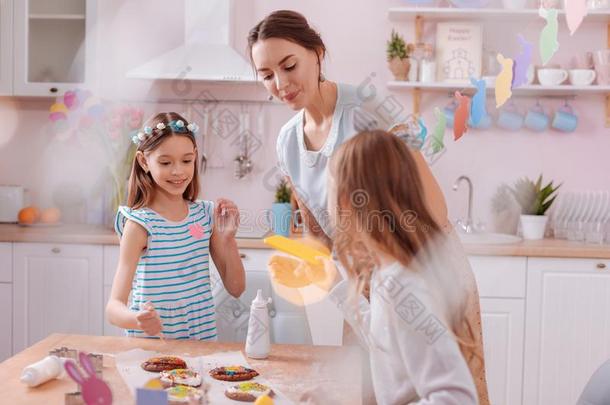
x=296, y=248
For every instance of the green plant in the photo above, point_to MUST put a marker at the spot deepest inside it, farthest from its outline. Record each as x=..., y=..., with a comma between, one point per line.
x=282, y=192
x=532, y=197
x=397, y=48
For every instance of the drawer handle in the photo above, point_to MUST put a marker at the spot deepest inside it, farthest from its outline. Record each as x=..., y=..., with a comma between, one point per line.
x=56, y=250
x=242, y=255
x=53, y=89
x=601, y=266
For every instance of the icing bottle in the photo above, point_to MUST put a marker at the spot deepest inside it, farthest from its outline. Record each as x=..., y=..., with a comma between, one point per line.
x=258, y=339
x=46, y=369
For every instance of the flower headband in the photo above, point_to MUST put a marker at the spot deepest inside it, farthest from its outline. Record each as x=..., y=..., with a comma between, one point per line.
x=177, y=126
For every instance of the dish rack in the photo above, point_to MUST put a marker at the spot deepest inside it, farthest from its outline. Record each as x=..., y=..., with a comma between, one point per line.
x=582, y=216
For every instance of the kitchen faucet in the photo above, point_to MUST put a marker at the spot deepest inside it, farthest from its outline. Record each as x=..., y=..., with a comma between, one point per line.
x=468, y=225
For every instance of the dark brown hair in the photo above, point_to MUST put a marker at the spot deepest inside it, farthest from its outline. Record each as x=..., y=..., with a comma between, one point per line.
x=288, y=25
x=141, y=184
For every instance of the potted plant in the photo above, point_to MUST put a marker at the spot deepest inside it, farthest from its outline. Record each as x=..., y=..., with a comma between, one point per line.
x=534, y=200
x=281, y=209
x=398, y=56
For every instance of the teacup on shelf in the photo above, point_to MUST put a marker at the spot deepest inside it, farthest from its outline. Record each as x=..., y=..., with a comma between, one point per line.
x=582, y=77
x=552, y=77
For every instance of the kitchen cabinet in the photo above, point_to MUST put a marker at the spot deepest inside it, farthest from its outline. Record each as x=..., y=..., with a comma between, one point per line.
x=54, y=46
x=56, y=288
x=6, y=47
x=111, y=259
x=6, y=303
x=567, y=334
x=503, y=323
x=502, y=286
x=288, y=321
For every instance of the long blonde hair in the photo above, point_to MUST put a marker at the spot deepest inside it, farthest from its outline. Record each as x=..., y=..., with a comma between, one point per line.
x=379, y=191
x=141, y=183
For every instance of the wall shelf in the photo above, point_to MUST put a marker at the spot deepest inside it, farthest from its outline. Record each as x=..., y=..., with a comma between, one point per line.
x=534, y=90
x=57, y=17
x=456, y=14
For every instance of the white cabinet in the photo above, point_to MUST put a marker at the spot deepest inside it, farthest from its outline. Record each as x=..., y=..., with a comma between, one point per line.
x=56, y=289
x=6, y=300
x=54, y=46
x=6, y=319
x=288, y=320
x=502, y=285
x=567, y=327
x=6, y=47
x=503, y=328
x=111, y=259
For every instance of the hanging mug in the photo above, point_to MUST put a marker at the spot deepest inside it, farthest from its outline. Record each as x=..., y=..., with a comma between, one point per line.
x=449, y=112
x=564, y=119
x=509, y=118
x=536, y=119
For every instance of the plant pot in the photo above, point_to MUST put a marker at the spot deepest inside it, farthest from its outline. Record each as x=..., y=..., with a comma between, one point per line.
x=399, y=68
x=533, y=226
x=280, y=218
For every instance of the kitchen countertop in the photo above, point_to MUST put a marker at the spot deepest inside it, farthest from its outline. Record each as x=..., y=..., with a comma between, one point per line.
x=292, y=369
x=91, y=234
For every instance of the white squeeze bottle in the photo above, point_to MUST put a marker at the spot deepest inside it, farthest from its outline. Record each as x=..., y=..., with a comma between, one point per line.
x=257, y=342
x=46, y=369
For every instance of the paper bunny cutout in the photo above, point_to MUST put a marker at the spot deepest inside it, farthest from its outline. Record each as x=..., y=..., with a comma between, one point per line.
x=477, y=108
x=94, y=390
x=549, y=44
x=461, y=115
x=521, y=62
x=439, y=130
x=504, y=80
x=576, y=10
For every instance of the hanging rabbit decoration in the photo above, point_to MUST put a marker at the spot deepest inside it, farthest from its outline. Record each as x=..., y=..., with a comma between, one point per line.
x=461, y=115
x=439, y=131
x=548, y=36
x=477, y=109
x=94, y=390
x=504, y=80
x=522, y=62
x=576, y=10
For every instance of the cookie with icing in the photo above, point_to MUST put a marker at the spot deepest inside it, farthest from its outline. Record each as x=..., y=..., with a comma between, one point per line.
x=182, y=394
x=180, y=376
x=162, y=363
x=248, y=391
x=233, y=373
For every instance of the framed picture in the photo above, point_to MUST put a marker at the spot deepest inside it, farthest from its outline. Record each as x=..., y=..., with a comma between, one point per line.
x=459, y=49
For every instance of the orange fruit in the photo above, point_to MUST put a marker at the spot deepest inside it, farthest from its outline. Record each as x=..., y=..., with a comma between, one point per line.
x=29, y=215
x=50, y=215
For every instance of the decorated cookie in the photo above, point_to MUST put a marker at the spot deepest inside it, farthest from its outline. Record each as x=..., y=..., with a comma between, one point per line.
x=180, y=376
x=162, y=363
x=233, y=373
x=248, y=391
x=182, y=394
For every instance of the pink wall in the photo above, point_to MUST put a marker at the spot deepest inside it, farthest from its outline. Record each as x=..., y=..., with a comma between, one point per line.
x=355, y=33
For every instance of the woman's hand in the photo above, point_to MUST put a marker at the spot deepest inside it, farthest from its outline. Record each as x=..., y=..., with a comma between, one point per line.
x=226, y=218
x=148, y=320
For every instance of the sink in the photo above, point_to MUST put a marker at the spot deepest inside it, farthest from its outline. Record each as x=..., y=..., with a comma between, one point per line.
x=485, y=238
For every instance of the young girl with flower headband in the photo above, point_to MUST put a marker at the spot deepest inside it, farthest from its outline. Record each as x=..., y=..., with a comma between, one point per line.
x=167, y=238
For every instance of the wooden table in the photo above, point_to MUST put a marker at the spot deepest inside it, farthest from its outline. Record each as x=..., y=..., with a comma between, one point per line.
x=293, y=369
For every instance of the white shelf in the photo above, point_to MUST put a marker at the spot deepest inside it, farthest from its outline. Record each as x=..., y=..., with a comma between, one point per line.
x=57, y=16
x=529, y=90
x=453, y=14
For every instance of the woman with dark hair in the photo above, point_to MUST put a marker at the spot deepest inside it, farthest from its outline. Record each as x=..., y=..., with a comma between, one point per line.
x=287, y=54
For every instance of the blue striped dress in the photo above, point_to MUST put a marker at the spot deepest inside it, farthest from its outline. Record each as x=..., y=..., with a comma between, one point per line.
x=173, y=272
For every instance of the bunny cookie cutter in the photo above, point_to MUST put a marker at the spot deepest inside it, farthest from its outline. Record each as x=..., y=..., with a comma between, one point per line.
x=94, y=390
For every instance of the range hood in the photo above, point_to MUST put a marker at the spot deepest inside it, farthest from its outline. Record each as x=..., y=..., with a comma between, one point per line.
x=206, y=54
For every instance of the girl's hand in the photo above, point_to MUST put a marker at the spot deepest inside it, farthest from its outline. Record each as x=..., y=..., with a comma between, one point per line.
x=148, y=320
x=226, y=218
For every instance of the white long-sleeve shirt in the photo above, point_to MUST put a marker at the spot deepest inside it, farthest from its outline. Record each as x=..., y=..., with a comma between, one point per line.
x=414, y=357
